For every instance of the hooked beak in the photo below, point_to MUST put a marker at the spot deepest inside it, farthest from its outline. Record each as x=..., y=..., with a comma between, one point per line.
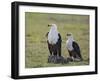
x=49, y=25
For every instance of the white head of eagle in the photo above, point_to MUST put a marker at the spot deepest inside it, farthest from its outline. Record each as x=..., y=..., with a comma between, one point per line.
x=69, y=42
x=53, y=34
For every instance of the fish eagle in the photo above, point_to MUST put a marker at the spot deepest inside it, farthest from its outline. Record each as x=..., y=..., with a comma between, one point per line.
x=73, y=48
x=54, y=40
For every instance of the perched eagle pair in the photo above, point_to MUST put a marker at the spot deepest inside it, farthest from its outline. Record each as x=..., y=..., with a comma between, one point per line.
x=54, y=41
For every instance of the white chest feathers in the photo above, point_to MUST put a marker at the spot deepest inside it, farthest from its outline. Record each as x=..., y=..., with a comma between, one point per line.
x=69, y=45
x=53, y=36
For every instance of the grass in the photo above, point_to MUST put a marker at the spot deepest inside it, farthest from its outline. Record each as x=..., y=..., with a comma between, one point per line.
x=36, y=51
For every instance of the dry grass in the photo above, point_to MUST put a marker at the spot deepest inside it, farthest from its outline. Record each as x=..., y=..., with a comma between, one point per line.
x=36, y=51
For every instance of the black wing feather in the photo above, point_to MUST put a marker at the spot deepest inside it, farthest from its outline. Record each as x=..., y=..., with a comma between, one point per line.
x=77, y=49
x=59, y=37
